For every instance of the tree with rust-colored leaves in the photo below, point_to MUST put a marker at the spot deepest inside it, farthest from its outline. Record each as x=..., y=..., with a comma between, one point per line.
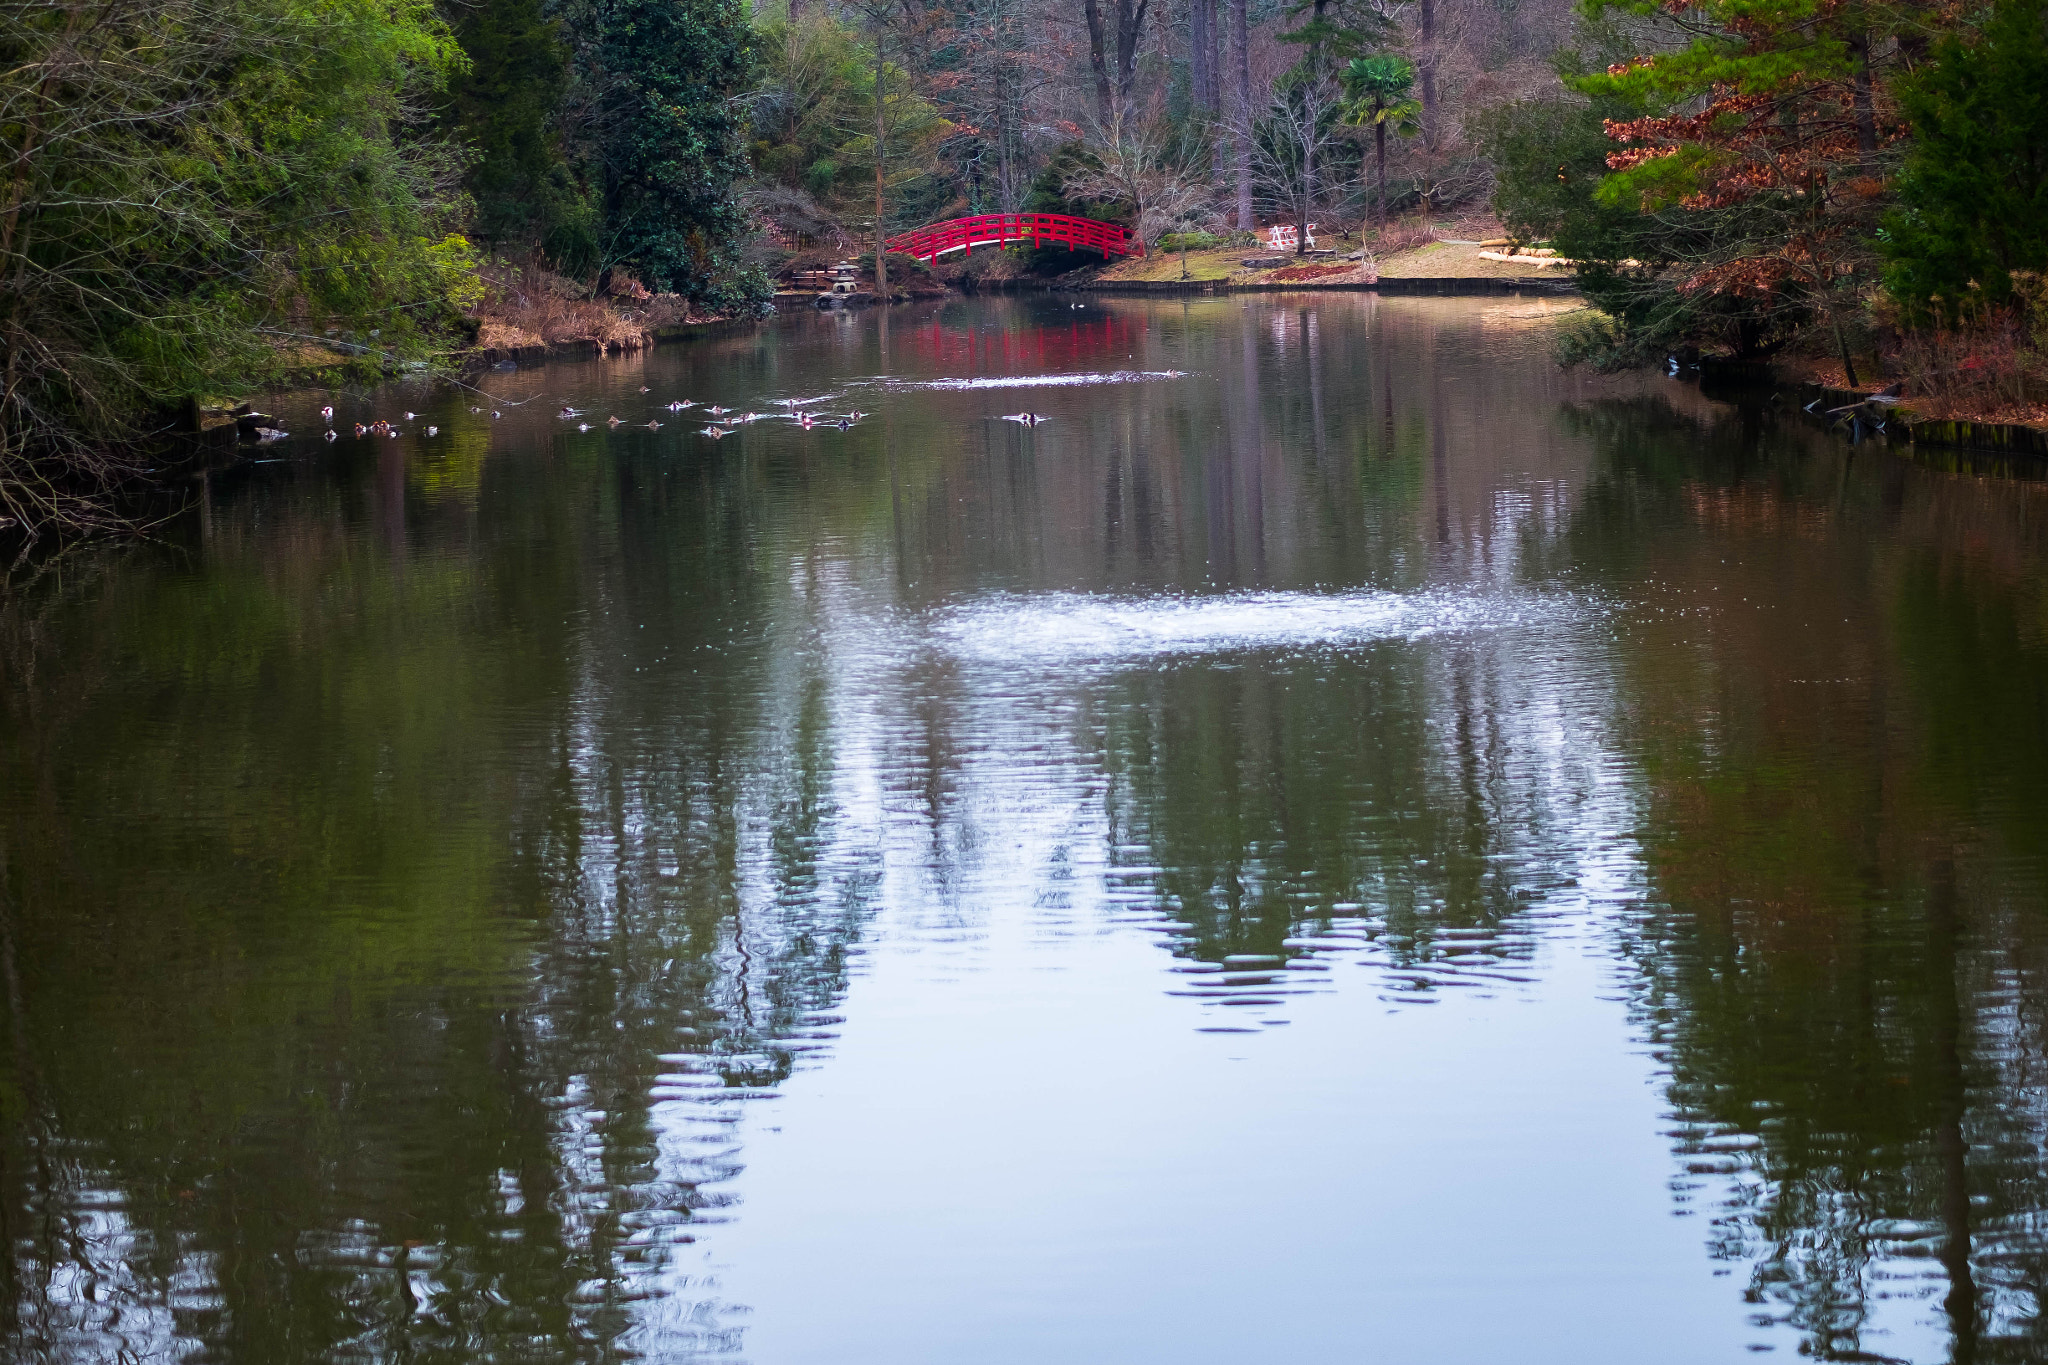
x=1768, y=130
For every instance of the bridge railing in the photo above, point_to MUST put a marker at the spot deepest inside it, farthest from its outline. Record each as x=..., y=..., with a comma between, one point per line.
x=1011, y=229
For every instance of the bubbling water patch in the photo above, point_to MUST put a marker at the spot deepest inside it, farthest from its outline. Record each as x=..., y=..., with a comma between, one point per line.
x=1069, y=629
x=1040, y=381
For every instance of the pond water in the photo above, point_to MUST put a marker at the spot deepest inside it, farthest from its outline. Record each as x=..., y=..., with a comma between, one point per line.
x=1346, y=843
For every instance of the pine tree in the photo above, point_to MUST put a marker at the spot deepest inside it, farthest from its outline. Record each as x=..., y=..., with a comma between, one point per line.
x=1973, y=195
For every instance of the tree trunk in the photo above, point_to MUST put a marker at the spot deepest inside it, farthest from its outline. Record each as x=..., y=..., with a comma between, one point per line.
x=1241, y=80
x=1201, y=52
x=881, y=256
x=1308, y=143
x=1866, y=116
x=1305, y=200
x=1130, y=25
x=1428, y=72
x=1098, y=58
x=1213, y=54
x=1379, y=136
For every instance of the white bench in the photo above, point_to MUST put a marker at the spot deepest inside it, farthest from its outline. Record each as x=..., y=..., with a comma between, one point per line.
x=1281, y=237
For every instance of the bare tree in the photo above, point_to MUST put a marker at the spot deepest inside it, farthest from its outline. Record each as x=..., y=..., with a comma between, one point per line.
x=1006, y=74
x=1135, y=163
x=1298, y=124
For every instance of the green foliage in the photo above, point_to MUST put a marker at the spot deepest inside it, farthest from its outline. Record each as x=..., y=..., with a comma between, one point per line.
x=188, y=180
x=1340, y=29
x=508, y=108
x=1725, y=178
x=1190, y=241
x=1071, y=163
x=1378, y=88
x=671, y=146
x=1973, y=195
x=813, y=125
x=1376, y=96
x=1552, y=184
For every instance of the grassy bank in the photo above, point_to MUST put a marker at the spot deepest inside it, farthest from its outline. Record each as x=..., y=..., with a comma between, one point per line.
x=1410, y=248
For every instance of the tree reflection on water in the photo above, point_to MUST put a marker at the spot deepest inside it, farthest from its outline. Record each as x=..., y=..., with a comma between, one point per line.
x=410, y=875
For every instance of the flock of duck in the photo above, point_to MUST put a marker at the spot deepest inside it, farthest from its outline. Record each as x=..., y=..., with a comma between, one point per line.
x=724, y=421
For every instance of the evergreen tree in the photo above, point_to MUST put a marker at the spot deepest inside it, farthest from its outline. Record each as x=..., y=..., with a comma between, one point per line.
x=1337, y=30
x=1762, y=142
x=1973, y=195
x=672, y=149
x=508, y=107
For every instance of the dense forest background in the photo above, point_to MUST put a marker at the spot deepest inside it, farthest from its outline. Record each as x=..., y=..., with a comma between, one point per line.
x=198, y=194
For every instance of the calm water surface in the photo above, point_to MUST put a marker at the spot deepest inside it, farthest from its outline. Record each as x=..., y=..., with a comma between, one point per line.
x=1346, y=844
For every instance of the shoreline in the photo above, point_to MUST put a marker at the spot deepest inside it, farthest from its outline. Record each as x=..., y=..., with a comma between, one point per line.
x=1860, y=408
x=2009, y=441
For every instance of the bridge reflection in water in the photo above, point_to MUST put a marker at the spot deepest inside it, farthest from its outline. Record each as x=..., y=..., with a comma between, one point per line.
x=934, y=240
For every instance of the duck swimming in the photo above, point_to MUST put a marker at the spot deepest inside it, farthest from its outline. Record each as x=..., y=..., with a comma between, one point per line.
x=1029, y=419
x=327, y=414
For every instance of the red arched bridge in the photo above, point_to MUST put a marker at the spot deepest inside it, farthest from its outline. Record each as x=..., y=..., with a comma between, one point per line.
x=1012, y=229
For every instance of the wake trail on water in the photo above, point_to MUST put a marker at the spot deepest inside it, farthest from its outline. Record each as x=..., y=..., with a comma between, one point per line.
x=1068, y=629
x=1038, y=381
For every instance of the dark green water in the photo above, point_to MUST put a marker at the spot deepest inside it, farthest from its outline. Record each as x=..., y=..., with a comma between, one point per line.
x=1366, y=848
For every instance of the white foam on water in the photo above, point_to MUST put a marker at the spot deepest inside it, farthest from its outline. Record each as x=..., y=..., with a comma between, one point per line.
x=1040, y=381
x=1079, y=628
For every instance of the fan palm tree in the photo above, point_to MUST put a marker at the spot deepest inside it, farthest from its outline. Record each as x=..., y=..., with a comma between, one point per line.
x=1376, y=90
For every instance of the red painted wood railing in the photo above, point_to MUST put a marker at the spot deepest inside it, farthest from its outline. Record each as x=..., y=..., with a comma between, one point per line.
x=1011, y=229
